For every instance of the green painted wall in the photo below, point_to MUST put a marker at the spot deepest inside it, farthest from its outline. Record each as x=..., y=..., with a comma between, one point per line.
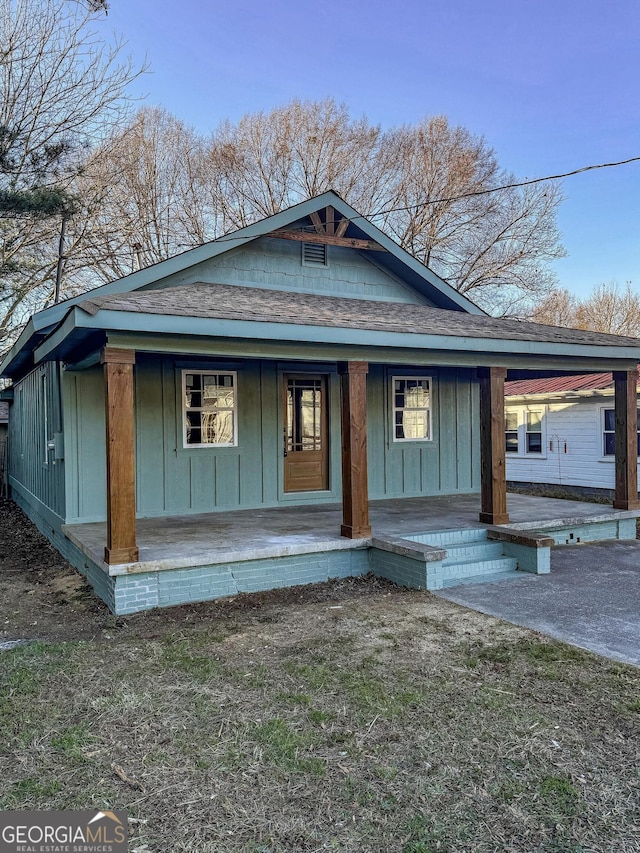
x=36, y=417
x=448, y=464
x=175, y=480
x=85, y=459
x=277, y=264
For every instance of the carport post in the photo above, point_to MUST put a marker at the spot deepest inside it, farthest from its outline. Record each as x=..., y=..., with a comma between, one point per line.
x=626, y=442
x=493, y=478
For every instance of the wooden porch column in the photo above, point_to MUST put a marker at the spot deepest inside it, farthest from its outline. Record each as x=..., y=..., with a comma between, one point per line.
x=626, y=441
x=121, y=475
x=493, y=478
x=353, y=413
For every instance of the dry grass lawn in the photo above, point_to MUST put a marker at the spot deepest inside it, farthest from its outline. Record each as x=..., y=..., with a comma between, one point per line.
x=356, y=717
x=386, y=723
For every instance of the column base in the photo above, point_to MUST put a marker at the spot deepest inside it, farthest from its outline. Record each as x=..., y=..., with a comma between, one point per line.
x=626, y=504
x=354, y=532
x=113, y=556
x=494, y=517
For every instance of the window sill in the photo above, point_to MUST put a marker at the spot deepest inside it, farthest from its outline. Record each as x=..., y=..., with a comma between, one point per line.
x=204, y=448
x=526, y=456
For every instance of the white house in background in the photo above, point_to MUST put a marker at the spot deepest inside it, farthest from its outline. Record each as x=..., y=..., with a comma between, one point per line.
x=561, y=431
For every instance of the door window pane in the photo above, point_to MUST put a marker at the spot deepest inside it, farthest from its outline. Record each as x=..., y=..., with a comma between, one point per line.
x=304, y=414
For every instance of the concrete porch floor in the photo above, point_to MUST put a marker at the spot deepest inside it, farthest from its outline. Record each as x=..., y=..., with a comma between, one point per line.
x=210, y=538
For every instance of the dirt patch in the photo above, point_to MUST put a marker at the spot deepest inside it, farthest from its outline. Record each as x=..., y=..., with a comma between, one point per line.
x=45, y=598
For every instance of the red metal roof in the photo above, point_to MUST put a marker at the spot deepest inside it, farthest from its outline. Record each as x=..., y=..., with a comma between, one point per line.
x=581, y=382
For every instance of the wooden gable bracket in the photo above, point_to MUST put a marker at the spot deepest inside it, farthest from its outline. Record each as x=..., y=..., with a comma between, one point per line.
x=327, y=239
x=328, y=232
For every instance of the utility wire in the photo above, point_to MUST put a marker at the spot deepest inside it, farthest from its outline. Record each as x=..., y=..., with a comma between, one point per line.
x=524, y=183
x=408, y=208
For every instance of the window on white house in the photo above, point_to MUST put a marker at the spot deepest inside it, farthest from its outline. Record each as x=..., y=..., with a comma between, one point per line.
x=511, y=432
x=534, y=432
x=524, y=431
x=609, y=432
x=209, y=409
x=411, y=408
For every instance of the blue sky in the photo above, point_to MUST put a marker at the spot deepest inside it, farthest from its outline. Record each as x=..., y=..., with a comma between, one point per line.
x=551, y=85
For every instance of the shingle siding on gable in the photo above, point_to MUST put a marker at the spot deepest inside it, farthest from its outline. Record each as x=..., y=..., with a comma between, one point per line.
x=277, y=265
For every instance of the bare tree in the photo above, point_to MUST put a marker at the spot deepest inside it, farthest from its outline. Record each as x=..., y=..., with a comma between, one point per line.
x=426, y=185
x=559, y=308
x=430, y=180
x=61, y=88
x=609, y=308
x=269, y=161
x=144, y=187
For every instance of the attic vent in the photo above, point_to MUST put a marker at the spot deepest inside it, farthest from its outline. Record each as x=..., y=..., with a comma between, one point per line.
x=314, y=254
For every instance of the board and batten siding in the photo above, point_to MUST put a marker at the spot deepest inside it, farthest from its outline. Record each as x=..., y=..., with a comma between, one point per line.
x=450, y=462
x=35, y=420
x=572, y=445
x=173, y=480
x=277, y=265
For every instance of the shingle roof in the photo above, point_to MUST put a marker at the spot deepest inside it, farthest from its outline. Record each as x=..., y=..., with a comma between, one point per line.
x=232, y=302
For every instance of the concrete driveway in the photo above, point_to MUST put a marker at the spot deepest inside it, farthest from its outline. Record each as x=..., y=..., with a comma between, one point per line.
x=591, y=598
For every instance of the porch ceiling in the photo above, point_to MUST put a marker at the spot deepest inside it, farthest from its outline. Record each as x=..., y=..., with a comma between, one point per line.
x=211, y=538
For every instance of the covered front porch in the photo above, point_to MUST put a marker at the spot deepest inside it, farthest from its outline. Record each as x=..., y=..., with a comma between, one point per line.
x=201, y=556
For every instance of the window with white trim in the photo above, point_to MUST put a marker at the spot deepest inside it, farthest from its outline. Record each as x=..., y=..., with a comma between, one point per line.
x=609, y=432
x=209, y=408
x=411, y=408
x=525, y=431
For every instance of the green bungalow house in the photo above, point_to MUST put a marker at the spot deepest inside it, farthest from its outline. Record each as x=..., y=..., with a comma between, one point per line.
x=297, y=400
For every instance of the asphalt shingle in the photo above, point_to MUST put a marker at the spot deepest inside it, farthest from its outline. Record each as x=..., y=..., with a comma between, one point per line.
x=234, y=302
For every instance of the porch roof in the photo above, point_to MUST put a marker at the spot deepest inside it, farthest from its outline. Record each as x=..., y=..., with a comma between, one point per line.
x=251, y=304
x=233, y=312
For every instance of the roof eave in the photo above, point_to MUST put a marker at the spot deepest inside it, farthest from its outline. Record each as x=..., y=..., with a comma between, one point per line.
x=163, y=324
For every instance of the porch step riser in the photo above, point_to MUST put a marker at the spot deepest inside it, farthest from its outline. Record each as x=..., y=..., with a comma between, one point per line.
x=470, y=552
x=481, y=567
x=493, y=576
x=449, y=537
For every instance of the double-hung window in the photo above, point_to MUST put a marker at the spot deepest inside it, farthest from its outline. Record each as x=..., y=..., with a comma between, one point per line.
x=411, y=408
x=609, y=432
x=524, y=431
x=209, y=408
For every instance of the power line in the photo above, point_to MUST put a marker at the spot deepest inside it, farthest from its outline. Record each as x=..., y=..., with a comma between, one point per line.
x=486, y=191
x=525, y=183
x=406, y=209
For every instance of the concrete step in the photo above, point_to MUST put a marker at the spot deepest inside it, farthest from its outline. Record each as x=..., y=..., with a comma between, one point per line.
x=446, y=538
x=465, y=568
x=469, y=551
x=493, y=576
